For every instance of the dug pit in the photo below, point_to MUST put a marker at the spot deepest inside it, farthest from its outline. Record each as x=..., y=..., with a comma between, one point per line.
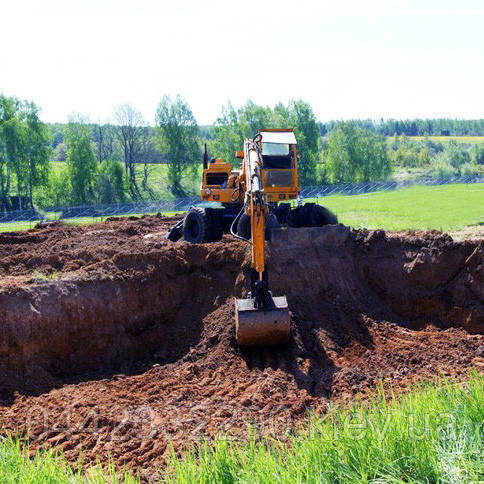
x=117, y=342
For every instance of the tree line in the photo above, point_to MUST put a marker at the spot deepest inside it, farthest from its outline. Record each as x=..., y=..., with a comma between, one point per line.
x=114, y=162
x=415, y=127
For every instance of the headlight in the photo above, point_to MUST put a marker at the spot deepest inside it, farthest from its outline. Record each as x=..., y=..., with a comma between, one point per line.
x=207, y=191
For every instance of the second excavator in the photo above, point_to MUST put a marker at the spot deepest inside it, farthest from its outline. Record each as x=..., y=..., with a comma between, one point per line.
x=249, y=203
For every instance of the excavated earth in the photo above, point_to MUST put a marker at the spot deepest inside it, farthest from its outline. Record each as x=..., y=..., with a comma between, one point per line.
x=114, y=341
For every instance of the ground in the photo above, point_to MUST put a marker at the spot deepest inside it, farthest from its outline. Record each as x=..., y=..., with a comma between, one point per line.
x=117, y=342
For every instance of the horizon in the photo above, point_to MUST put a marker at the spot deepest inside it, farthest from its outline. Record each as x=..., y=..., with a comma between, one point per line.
x=348, y=62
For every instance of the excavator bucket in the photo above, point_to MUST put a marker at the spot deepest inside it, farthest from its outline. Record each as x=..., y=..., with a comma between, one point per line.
x=262, y=327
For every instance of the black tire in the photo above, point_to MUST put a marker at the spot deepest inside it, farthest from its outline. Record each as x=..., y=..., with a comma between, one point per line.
x=295, y=219
x=310, y=215
x=243, y=226
x=197, y=227
x=322, y=216
x=217, y=227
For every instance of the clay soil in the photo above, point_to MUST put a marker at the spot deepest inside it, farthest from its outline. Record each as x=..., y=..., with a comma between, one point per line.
x=114, y=341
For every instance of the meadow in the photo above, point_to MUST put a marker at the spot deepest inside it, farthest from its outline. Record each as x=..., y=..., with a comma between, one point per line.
x=446, y=139
x=442, y=207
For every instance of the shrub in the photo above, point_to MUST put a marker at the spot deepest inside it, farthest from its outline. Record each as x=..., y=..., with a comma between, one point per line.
x=443, y=170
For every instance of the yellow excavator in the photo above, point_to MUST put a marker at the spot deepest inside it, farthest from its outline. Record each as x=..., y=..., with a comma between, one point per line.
x=249, y=203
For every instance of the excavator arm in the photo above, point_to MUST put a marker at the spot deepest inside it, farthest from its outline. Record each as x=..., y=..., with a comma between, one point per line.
x=261, y=319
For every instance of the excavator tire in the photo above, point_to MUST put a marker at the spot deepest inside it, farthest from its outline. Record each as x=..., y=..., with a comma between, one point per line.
x=243, y=226
x=310, y=215
x=197, y=226
x=322, y=216
x=295, y=217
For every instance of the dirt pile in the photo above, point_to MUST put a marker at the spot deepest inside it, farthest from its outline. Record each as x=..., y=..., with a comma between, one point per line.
x=122, y=342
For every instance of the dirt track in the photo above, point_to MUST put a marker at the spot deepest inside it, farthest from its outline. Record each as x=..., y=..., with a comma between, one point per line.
x=114, y=340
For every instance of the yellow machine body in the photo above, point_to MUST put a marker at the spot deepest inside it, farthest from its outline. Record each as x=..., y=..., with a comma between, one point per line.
x=268, y=175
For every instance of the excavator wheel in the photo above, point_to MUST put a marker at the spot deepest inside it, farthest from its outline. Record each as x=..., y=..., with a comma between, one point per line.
x=197, y=226
x=322, y=216
x=311, y=215
x=243, y=226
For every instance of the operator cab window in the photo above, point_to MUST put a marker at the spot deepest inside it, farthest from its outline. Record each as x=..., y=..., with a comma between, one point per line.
x=276, y=156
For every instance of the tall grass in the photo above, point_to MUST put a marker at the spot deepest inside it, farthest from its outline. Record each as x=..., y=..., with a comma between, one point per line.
x=50, y=467
x=434, y=434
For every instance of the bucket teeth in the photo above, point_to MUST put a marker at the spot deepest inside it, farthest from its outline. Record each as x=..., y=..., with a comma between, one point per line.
x=262, y=327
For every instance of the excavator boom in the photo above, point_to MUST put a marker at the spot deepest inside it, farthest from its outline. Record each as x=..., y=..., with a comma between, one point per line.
x=260, y=319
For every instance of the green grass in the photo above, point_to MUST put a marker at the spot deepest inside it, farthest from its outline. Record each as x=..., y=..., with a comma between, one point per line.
x=18, y=226
x=433, y=434
x=444, y=207
x=50, y=467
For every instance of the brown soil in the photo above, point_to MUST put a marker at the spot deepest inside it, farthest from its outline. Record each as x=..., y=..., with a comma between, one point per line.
x=115, y=341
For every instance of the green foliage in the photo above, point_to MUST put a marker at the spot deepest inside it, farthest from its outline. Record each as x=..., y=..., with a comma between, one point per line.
x=234, y=126
x=178, y=139
x=469, y=169
x=455, y=155
x=416, y=127
x=81, y=161
x=24, y=152
x=110, y=183
x=356, y=155
x=443, y=170
x=477, y=154
x=56, y=192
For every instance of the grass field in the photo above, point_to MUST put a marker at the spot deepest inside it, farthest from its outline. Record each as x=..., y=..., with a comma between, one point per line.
x=433, y=434
x=444, y=139
x=444, y=207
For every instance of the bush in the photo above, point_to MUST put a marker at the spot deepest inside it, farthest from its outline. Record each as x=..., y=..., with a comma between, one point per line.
x=56, y=192
x=455, y=154
x=477, y=154
x=469, y=169
x=443, y=170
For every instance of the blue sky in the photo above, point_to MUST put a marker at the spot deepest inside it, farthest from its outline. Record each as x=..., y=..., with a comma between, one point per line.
x=349, y=59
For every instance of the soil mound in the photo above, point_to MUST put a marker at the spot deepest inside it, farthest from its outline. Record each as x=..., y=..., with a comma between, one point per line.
x=126, y=342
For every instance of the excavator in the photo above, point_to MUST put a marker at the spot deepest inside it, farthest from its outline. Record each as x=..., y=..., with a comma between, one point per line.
x=248, y=204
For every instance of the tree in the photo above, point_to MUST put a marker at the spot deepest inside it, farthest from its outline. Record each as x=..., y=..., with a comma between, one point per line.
x=81, y=161
x=234, y=126
x=130, y=134
x=303, y=120
x=24, y=152
x=104, y=137
x=38, y=150
x=110, y=182
x=8, y=144
x=356, y=155
x=178, y=139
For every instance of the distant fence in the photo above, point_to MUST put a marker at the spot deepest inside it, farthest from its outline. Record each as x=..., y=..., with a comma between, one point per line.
x=28, y=218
